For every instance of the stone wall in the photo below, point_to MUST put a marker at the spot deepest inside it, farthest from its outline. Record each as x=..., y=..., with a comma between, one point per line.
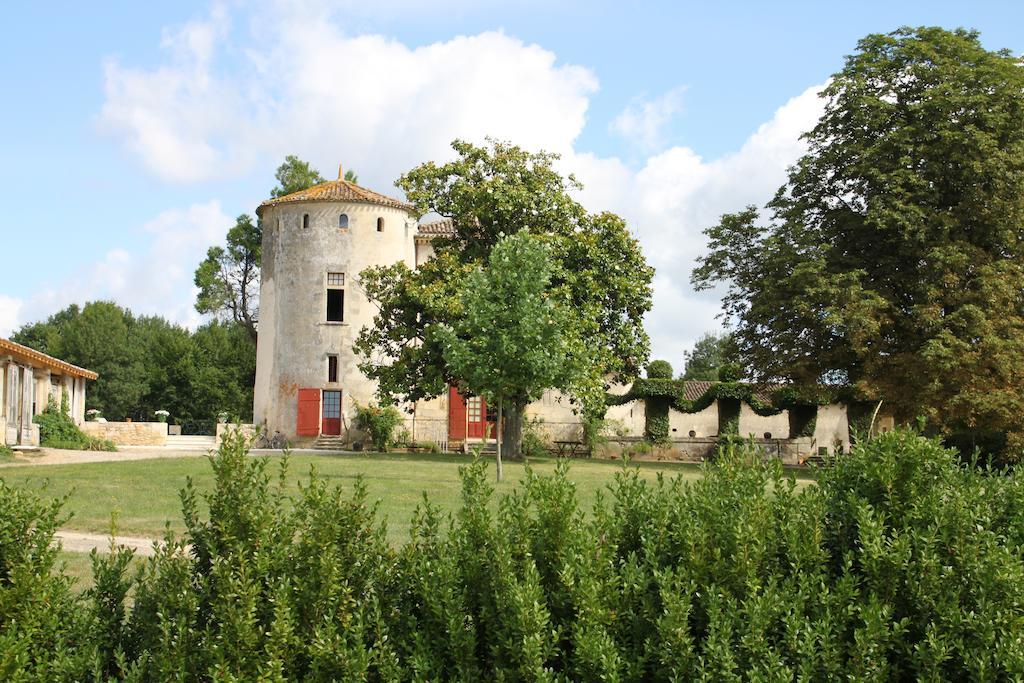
x=128, y=433
x=249, y=431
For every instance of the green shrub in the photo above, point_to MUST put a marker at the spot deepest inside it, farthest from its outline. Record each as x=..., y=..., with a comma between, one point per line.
x=379, y=422
x=900, y=564
x=659, y=369
x=6, y=452
x=594, y=428
x=58, y=430
x=45, y=630
x=536, y=442
x=730, y=372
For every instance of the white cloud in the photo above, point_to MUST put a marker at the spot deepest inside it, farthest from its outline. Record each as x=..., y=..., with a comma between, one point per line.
x=643, y=122
x=9, y=308
x=677, y=194
x=155, y=281
x=308, y=89
x=299, y=84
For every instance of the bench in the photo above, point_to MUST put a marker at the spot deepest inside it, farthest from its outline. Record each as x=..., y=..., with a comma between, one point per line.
x=571, y=449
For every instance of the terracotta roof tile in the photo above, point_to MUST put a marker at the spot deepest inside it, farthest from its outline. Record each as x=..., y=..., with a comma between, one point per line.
x=336, y=191
x=38, y=358
x=445, y=226
x=695, y=388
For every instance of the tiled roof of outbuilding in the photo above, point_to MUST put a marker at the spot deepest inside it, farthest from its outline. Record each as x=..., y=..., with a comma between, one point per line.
x=695, y=388
x=445, y=226
x=40, y=359
x=336, y=191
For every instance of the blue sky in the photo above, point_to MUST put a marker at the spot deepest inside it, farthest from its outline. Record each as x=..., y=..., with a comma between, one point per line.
x=133, y=133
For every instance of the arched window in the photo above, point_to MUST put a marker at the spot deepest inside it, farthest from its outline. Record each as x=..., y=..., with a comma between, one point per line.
x=305, y=221
x=343, y=221
x=380, y=225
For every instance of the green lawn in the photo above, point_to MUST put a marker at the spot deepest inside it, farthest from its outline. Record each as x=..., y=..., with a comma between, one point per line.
x=144, y=493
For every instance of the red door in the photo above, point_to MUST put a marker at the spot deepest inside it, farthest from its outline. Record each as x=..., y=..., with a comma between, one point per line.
x=467, y=418
x=331, y=424
x=476, y=417
x=308, y=421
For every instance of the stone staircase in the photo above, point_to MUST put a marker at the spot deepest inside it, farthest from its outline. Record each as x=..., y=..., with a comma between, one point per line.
x=329, y=443
x=486, y=447
x=191, y=442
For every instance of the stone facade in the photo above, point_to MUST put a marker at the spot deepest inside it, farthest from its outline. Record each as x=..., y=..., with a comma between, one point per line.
x=316, y=242
x=28, y=379
x=128, y=433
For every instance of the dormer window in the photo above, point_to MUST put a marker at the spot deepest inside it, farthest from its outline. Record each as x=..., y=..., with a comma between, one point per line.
x=305, y=221
x=343, y=221
x=380, y=225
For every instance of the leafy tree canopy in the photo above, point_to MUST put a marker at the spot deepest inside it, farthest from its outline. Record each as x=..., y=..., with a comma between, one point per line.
x=515, y=337
x=893, y=258
x=708, y=354
x=491, y=192
x=146, y=363
x=294, y=175
x=229, y=277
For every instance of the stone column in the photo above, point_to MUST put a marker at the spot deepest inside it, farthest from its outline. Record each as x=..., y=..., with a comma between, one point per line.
x=79, y=399
x=27, y=386
x=43, y=390
x=13, y=395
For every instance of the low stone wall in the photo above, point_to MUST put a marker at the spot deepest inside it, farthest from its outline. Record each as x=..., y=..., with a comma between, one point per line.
x=697, y=449
x=128, y=433
x=249, y=431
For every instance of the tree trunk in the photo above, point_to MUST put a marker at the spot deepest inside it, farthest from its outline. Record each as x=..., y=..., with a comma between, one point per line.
x=498, y=459
x=512, y=428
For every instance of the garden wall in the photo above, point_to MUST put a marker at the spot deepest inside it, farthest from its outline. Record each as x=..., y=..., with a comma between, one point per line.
x=248, y=430
x=128, y=433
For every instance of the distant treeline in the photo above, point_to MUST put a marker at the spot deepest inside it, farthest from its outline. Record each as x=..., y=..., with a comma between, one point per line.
x=147, y=363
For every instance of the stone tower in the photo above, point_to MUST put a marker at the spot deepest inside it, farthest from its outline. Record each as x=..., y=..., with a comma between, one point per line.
x=315, y=244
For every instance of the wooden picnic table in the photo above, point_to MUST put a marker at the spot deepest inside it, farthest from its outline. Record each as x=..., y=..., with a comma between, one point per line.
x=571, y=449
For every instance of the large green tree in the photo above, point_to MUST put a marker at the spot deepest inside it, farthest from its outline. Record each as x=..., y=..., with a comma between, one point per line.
x=490, y=192
x=147, y=364
x=709, y=353
x=294, y=175
x=101, y=336
x=893, y=258
x=514, y=337
x=229, y=277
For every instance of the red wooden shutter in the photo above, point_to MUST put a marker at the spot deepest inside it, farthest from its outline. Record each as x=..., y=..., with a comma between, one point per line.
x=456, y=415
x=308, y=420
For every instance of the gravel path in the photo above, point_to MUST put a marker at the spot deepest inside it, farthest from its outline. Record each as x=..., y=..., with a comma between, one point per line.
x=56, y=456
x=78, y=542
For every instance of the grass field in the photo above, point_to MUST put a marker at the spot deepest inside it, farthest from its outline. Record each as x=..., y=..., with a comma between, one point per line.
x=143, y=494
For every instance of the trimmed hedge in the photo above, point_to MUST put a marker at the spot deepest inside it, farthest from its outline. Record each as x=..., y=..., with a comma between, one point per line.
x=899, y=564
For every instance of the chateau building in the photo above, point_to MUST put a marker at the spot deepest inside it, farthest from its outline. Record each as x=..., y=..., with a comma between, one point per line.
x=315, y=244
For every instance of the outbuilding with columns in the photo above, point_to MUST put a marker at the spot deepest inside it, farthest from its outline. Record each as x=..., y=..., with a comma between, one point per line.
x=28, y=379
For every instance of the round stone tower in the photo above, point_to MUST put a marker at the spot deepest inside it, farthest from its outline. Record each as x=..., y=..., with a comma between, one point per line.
x=315, y=244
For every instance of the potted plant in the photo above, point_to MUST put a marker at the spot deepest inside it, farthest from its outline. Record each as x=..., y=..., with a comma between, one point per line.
x=93, y=415
x=161, y=415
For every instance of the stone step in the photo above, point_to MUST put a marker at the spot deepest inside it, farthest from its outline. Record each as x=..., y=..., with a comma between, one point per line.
x=329, y=443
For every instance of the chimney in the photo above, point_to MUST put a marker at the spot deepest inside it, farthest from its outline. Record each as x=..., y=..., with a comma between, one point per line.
x=341, y=172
